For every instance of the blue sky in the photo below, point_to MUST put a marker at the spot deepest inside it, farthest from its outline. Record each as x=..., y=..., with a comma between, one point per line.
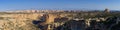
x=64, y=4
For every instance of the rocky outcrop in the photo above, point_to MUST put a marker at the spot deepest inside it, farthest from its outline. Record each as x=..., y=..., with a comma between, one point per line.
x=17, y=25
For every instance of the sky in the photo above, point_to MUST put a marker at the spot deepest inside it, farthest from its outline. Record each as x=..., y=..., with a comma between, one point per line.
x=61, y=4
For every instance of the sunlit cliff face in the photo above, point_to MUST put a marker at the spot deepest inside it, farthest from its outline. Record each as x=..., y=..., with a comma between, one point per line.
x=50, y=18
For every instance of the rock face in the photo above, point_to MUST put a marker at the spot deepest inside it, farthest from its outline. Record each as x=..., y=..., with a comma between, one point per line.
x=18, y=21
x=49, y=21
x=24, y=21
x=17, y=25
x=50, y=18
